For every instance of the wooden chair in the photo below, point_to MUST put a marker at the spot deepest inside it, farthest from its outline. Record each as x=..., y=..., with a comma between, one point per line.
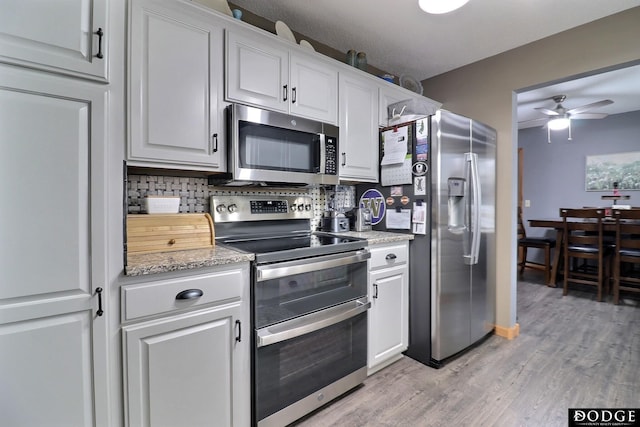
x=584, y=240
x=525, y=242
x=627, y=252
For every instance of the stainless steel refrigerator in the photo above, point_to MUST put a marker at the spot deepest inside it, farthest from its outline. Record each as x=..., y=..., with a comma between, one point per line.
x=452, y=273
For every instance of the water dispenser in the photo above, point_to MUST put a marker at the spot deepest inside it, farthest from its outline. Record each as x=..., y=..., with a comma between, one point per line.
x=456, y=205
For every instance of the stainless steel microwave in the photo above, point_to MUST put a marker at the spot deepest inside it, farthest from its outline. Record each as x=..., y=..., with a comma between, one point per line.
x=276, y=148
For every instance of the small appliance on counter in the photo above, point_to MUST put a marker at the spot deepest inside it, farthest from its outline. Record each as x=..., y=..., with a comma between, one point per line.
x=359, y=219
x=334, y=222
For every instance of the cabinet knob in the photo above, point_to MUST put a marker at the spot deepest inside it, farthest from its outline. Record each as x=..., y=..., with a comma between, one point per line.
x=390, y=257
x=172, y=242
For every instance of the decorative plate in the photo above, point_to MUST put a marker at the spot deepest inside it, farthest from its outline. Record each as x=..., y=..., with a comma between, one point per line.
x=283, y=31
x=411, y=83
x=306, y=45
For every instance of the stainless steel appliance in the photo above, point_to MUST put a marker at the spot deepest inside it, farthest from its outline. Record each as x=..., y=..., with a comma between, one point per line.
x=309, y=304
x=360, y=219
x=452, y=277
x=269, y=147
x=334, y=221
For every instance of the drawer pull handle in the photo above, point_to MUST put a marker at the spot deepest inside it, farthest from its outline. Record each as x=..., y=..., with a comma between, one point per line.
x=390, y=257
x=190, y=294
x=172, y=242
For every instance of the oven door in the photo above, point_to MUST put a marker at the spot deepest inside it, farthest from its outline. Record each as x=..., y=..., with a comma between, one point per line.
x=286, y=290
x=304, y=363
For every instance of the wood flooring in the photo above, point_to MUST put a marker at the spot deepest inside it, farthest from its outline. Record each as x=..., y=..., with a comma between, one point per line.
x=572, y=352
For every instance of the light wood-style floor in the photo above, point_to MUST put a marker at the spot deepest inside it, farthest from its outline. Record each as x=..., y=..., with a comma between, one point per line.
x=572, y=352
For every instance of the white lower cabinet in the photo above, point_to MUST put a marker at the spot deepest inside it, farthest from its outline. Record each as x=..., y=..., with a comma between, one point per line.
x=190, y=368
x=389, y=313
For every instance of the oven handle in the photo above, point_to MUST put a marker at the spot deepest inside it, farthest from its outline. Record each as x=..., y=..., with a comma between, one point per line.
x=289, y=268
x=312, y=322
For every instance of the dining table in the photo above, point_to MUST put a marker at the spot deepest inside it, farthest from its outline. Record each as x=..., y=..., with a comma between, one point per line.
x=608, y=225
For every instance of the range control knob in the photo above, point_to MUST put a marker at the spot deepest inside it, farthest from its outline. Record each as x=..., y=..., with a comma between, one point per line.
x=300, y=207
x=221, y=208
x=293, y=207
x=307, y=207
x=232, y=208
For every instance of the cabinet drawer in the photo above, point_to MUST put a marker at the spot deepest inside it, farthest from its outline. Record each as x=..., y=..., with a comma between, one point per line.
x=161, y=296
x=389, y=255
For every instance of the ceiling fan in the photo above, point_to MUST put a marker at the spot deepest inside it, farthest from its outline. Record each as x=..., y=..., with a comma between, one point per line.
x=560, y=118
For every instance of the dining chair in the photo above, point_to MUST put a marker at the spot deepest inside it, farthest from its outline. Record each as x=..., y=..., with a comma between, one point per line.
x=627, y=252
x=584, y=240
x=525, y=243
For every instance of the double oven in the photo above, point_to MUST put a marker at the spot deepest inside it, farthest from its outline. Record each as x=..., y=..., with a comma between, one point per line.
x=309, y=304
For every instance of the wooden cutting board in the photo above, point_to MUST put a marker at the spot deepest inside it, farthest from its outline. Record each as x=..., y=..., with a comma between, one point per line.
x=169, y=232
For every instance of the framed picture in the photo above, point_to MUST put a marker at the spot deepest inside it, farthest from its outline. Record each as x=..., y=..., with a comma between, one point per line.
x=604, y=169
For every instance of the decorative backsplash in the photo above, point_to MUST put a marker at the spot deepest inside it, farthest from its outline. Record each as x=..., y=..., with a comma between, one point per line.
x=194, y=194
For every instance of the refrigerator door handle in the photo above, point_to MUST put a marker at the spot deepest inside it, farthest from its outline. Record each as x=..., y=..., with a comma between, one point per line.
x=476, y=202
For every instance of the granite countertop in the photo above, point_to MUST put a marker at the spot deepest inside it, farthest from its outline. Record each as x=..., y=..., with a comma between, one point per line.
x=377, y=237
x=162, y=262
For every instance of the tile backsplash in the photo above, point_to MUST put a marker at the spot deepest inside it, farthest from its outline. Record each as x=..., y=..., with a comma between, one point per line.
x=194, y=194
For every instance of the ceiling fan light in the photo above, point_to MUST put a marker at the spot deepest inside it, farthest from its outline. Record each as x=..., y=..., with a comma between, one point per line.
x=437, y=7
x=558, y=124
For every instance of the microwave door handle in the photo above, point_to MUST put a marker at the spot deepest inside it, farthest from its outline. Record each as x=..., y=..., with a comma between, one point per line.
x=322, y=153
x=284, y=269
x=310, y=323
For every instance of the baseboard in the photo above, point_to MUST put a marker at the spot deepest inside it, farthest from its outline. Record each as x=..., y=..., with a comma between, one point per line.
x=508, y=333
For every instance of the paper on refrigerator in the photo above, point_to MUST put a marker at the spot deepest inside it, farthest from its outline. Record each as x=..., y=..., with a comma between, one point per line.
x=395, y=145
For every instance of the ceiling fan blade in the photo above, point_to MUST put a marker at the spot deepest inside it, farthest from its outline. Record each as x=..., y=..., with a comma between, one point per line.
x=547, y=111
x=589, y=116
x=531, y=123
x=590, y=106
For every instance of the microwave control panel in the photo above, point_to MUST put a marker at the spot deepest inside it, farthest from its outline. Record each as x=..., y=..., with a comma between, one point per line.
x=331, y=156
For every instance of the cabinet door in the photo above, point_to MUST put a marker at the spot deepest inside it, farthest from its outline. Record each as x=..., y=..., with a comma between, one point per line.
x=389, y=95
x=58, y=36
x=175, y=85
x=358, y=128
x=388, y=319
x=53, y=343
x=314, y=89
x=187, y=370
x=257, y=72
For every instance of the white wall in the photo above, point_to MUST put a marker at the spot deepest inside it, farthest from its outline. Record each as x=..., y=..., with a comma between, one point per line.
x=485, y=91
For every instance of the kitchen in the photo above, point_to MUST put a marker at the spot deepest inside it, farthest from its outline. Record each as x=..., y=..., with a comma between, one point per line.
x=108, y=102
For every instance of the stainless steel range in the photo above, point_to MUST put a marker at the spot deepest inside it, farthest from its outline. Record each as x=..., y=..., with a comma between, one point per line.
x=309, y=304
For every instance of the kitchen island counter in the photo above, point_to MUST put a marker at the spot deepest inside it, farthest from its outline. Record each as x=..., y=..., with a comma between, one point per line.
x=162, y=262
x=377, y=237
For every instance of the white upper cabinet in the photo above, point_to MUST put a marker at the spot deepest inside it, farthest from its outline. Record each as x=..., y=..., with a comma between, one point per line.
x=266, y=74
x=67, y=37
x=175, y=86
x=358, y=128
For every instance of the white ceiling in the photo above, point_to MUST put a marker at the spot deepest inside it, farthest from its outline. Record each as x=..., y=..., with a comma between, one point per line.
x=401, y=39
